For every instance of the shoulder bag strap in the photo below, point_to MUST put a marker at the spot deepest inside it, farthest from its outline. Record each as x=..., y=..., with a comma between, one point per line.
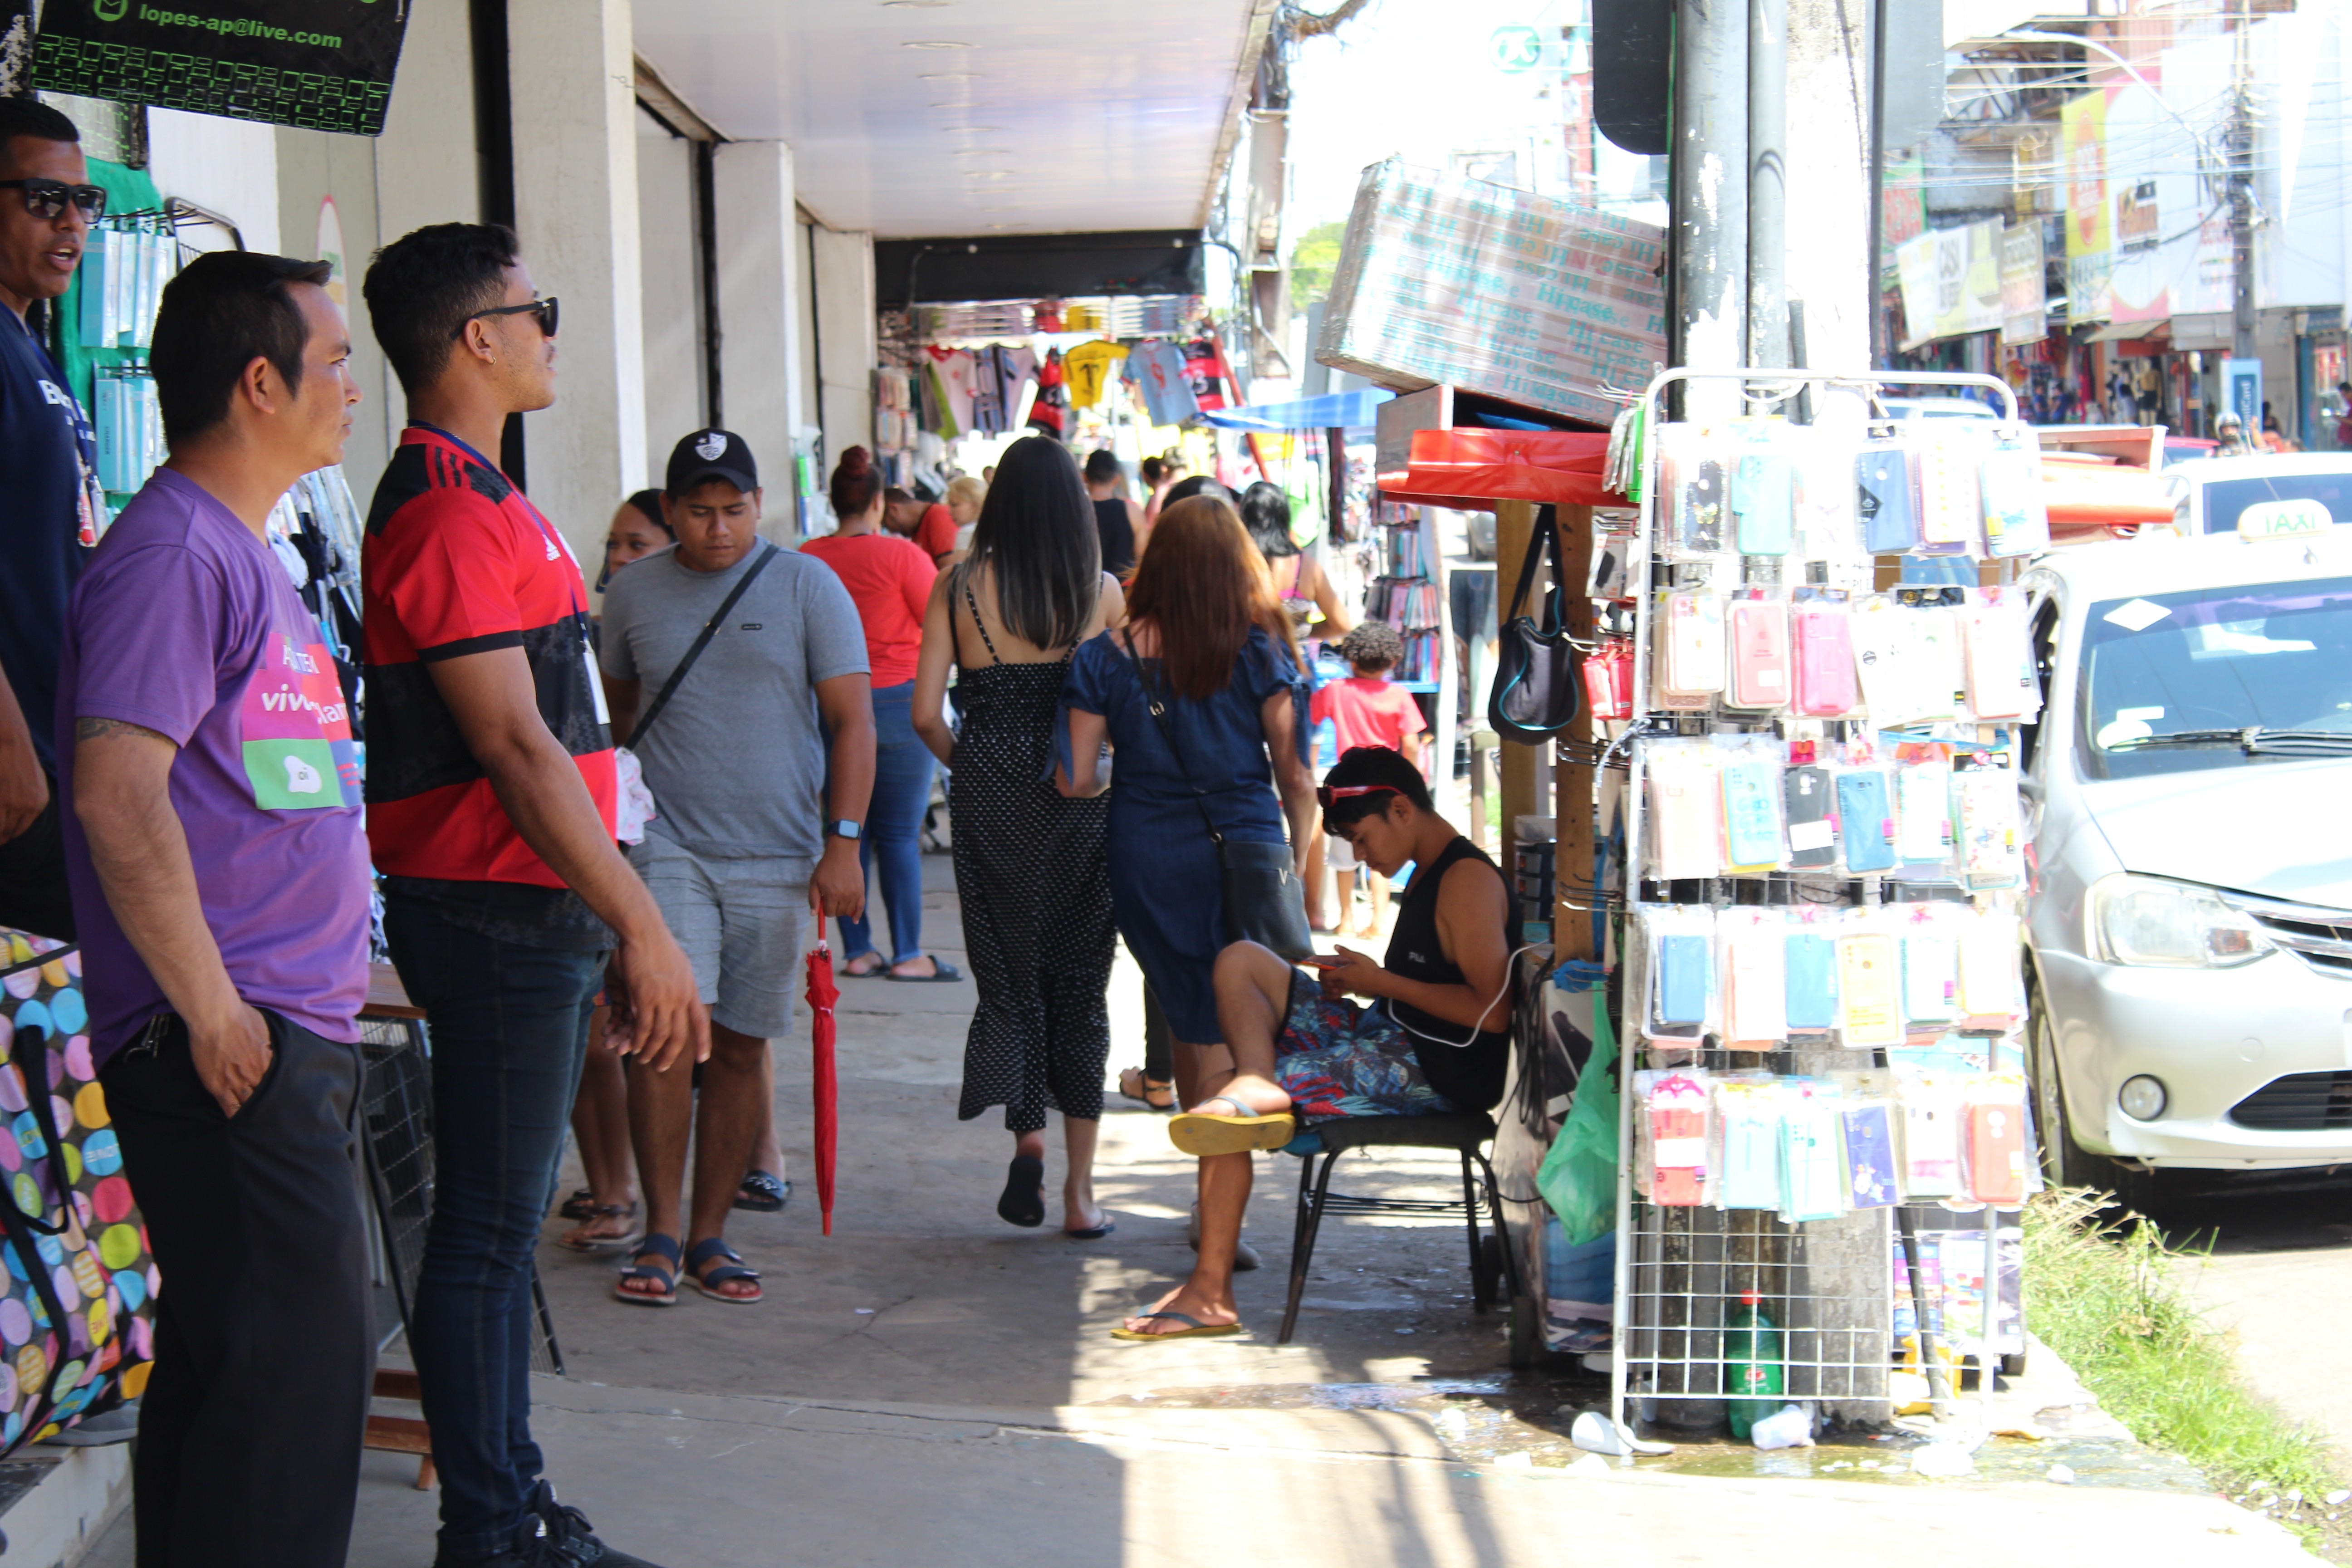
x=1160, y=715
x=1536, y=538
x=709, y=629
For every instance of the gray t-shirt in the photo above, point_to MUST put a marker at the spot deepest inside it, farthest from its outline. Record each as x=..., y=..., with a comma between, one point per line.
x=737, y=760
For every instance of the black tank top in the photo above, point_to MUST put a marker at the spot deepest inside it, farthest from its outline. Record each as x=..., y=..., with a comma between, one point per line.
x=1117, y=536
x=1470, y=1075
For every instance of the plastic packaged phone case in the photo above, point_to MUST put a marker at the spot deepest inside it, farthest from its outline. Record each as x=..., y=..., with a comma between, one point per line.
x=1991, y=831
x=1751, y=814
x=1866, y=820
x=1696, y=496
x=1678, y=1140
x=2016, y=518
x=1950, y=518
x=1811, y=1159
x=1762, y=499
x=2000, y=656
x=1988, y=944
x=1749, y=1113
x=1685, y=798
x=1931, y=976
x=1885, y=498
x=1609, y=681
x=1755, y=967
x=1923, y=813
x=1931, y=1138
x=1930, y=655
x=1810, y=800
x=1824, y=464
x=1758, y=630
x=1823, y=646
x=1994, y=1140
x=1869, y=1128
x=1869, y=1004
x=1810, y=986
x=1692, y=642
x=1682, y=986
x=1888, y=689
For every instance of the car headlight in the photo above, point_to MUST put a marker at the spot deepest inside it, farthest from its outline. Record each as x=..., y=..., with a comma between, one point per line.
x=2153, y=923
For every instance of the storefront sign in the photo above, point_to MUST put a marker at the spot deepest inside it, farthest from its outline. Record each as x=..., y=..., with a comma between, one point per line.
x=322, y=65
x=2090, y=229
x=2242, y=393
x=2023, y=299
x=1951, y=283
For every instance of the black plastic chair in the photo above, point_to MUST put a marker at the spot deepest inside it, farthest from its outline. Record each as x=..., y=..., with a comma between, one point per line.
x=1465, y=1134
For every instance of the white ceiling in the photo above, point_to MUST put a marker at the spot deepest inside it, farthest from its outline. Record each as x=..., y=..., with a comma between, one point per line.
x=1104, y=116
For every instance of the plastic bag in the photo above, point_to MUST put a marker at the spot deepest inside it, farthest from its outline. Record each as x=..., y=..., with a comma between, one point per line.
x=1578, y=1178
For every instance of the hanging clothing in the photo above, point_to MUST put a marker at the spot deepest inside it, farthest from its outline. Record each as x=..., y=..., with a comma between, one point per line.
x=1205, y=372
x=1157, y=369
x=1050, y=413
x=958, y=373
x=1088, y=367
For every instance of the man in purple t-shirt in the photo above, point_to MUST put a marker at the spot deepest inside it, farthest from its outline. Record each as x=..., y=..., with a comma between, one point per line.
x=220, y=880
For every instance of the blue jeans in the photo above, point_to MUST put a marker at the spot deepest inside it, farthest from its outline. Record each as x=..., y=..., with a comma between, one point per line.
x=509, y=1027
x=894, y=827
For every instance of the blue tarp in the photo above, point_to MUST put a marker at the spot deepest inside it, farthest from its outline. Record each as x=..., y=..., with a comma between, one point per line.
x=1333, y=411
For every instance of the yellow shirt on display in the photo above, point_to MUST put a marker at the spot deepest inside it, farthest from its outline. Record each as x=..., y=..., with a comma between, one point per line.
x=1088, y=367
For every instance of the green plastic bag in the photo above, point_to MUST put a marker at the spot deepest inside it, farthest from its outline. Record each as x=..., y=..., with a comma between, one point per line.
x=1579, y=1174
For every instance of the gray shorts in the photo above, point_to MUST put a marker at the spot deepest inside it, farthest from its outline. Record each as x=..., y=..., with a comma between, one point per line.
x=739, y=921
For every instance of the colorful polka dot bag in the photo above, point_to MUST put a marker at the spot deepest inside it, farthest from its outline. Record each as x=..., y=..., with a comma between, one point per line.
x=76, y=1301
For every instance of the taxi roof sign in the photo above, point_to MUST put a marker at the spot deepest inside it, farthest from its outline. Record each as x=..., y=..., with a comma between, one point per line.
x=2269, y=519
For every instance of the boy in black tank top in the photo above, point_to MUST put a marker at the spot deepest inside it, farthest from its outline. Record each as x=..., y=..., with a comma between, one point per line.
x=1432, y=1036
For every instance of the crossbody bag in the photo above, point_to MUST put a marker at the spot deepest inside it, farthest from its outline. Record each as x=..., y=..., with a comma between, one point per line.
x=1265, y=902
x=636, y=801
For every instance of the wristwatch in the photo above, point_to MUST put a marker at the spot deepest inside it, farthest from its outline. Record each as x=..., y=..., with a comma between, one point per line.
x=846, y=828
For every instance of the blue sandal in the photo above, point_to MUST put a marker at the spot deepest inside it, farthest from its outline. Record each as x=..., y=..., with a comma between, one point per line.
x=653, y=1246
x=707, y=1280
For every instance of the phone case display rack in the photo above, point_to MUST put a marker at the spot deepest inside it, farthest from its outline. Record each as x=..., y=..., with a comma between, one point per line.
x=1405, y=594
x=129, y=259
x=1823, y=1113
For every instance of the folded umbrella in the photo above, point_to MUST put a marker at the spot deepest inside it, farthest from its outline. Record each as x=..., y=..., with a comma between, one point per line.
x=824, y=1090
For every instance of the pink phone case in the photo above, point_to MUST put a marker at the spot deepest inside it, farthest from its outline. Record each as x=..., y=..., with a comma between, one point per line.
x=1760, y=654
x=1825, y=681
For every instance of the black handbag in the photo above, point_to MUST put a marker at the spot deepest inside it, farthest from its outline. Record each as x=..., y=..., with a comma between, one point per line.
x=1265, y=902
x=1538, y=677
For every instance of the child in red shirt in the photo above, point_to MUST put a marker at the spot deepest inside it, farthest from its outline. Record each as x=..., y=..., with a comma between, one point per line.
x=1367, y=709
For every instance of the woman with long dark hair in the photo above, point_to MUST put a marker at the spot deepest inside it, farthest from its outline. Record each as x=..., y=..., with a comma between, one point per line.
x=1299, y=578
x=1200, y=698
x=1030, y=870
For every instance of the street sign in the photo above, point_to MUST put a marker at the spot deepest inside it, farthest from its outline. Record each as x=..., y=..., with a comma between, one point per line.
x=322, y=65
x=2242, y=393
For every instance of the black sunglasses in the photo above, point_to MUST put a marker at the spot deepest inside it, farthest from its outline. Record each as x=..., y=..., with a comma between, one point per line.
x=543, y=309
x=48, y=198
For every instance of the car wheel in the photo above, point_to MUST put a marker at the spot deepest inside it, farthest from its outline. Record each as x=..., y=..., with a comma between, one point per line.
x=2065, y=1163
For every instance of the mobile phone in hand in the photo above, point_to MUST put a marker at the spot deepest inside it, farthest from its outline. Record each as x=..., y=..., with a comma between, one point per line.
x=1324, y=960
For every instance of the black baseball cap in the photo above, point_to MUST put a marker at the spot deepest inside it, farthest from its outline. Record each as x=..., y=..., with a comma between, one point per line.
x=711, y=455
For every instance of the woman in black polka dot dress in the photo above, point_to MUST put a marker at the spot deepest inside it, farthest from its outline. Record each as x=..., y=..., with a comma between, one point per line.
x=1032, y=873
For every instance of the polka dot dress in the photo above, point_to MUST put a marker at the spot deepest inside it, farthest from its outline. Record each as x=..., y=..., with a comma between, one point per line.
x=1032, y=877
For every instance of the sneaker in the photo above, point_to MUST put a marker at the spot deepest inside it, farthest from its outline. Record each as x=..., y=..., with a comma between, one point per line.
x=571, y=1542
x=531, y=1549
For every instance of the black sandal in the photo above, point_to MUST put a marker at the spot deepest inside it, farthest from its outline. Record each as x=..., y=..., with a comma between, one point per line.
x=764, y=1191
x=580, y=1207
x=1024, y=1202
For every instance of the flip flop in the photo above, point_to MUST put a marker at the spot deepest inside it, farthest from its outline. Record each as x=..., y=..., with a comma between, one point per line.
x=1200, y=1134
x=1095, y=1233
x=1024, y=1200
x=877, y=972
x=940, y=969
x=762, y=1192
x=707, y=1280
x=1195, y=1329
x=653, y=1246
x=578, y=1206
x=596, y=1244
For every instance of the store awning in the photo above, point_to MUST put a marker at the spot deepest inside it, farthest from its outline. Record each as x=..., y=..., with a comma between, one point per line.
x=2128, y=331
x=1333, y=411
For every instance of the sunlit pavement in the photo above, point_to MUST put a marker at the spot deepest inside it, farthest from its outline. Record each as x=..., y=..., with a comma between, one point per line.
x=932, y=1385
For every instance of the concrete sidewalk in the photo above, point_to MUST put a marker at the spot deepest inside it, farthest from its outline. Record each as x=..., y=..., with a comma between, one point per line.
x=932, y=1385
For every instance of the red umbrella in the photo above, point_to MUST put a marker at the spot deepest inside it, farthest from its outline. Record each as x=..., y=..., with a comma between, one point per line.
x=824, y=1088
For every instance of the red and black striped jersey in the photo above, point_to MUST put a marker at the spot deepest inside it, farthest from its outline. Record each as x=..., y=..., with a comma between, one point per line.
x=457, y=560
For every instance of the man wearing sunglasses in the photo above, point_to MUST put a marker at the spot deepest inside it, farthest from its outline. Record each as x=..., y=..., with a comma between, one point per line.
x=49, y=474
x=490, y=812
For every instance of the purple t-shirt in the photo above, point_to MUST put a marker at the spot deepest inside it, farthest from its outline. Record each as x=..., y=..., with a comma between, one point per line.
x=185, y=624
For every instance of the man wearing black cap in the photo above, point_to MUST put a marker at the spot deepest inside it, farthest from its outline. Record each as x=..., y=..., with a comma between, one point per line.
x=756, y=818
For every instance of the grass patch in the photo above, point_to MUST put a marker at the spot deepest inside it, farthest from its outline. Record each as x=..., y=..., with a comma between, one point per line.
x=2101, y=1295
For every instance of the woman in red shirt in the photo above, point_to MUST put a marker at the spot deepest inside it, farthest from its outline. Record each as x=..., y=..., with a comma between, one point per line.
x=891, y=579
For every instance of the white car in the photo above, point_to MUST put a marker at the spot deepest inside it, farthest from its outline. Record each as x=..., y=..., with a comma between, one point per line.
x=2209, y=493
x=2189, y=950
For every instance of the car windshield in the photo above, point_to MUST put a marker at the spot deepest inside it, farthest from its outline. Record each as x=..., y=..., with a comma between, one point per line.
x=2225, y=499
x=2171, y=682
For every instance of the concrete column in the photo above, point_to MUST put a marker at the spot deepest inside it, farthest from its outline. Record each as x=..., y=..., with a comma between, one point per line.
x=759, y=321
x=575, y=165
x=425, y=172
x=846, y=350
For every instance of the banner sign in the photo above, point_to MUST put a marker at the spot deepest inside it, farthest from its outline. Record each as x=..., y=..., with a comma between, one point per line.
x=2023, y=298
x=1951, y=283
x=321, y=65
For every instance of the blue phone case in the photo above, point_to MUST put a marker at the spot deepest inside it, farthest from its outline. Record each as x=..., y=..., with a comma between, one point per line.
x=1751, y=832
x=1883, y=498
x=1815, y=1175
x=1752, y=1158
x=1761, y=505
x=1812, y=982
x=1870, y=1157
x=1863, y=818
x=1686, y=966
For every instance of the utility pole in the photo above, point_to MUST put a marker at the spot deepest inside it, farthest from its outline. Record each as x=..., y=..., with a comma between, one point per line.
x=2240, y=149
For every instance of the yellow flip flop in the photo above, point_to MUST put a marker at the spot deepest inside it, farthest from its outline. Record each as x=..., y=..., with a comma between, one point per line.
x=1200, y=1134
x=1196, y=1330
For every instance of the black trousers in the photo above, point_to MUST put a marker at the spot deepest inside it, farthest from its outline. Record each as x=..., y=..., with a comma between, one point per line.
x=249, y=1432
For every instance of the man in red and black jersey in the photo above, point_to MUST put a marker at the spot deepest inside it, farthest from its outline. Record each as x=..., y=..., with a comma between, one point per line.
x=490, y=802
